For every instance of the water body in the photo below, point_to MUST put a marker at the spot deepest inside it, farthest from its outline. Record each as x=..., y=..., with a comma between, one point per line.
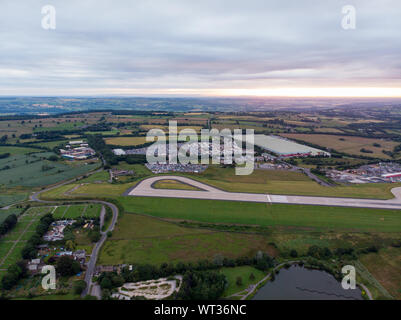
x=299, y=283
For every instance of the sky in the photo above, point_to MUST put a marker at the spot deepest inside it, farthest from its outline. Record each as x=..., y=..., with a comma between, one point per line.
x=201, y=48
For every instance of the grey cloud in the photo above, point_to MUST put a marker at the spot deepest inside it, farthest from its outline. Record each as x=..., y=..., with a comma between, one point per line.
x=150, y=44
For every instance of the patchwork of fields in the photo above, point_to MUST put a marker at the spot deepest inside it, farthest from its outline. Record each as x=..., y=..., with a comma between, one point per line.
x=13, y=242
x=75, y=211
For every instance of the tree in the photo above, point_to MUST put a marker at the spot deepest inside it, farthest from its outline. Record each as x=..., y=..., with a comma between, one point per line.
x=29, y=252
x=239, y=281
x=252, y=277
x=70, y=245
x=94, y=236
x=294, y=253
x=66, y=266
x=79, y=286
x=106, y=283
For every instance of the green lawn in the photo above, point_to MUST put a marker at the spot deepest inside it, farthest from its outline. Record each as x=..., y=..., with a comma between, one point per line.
x=142, y=239
x=92, y=210
x=5, y=213
x=245, y=273
x=35, y=170
x=17, y=150
x=385, y=266
x=74, y=211
x=25, y=228
x=236, y=212
x=59, y=212
x=96, y=177
x=173, y=184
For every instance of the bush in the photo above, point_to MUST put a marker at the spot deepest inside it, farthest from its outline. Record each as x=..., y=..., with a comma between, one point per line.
x=238, y=282
x=94, y=236
x=66, y=266
x=79, y=286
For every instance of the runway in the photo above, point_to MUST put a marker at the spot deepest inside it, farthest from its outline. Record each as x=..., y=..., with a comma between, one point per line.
x=145, y=189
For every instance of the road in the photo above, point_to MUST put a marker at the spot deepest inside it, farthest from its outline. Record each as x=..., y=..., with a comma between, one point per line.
x=95, y=252
x=145, y=189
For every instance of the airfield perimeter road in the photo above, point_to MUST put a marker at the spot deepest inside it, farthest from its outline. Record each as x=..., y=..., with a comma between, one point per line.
x=145, y=189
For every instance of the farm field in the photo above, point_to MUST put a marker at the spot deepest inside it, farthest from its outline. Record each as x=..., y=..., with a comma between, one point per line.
x=147, y=127
x=5, y=213
x=75, y=211
x=349, y=144
x=34, y=170
x=385, y=266
x=59, y=127
x=50, y=144
x=235, y=212
x=142, y=239
x=103, y=176
x=13, y=242
x=126, y=141
x=17, y=150
x=7, y=198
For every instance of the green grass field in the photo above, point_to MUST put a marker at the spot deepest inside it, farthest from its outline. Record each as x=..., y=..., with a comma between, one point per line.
x=92, y=211
x=34, y=170
x=59, y=212
x=173, y=184
x=25, y=228
x=385, y=266
x=142, y=239
x=74, y=211
x=50, y=144
x=17, y=150
x=8, y=198
x=236, y=212
x=245, y=273
x=5, y=213
x=260, y=181
x=103, y=176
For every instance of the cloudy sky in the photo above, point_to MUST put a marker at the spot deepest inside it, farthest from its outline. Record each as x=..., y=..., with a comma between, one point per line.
x=200, y=47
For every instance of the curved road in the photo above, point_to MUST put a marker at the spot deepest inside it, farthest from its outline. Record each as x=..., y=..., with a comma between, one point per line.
x=145, y=189
x=92, y=261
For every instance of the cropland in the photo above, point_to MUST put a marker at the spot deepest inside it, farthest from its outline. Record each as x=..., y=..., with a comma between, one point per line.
x=155, y=231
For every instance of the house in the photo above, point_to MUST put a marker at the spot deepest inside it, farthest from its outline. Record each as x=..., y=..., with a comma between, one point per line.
x=35, y=266
x=79, y=254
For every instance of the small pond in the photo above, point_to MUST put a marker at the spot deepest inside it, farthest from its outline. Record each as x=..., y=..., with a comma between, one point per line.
x=299, y=283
